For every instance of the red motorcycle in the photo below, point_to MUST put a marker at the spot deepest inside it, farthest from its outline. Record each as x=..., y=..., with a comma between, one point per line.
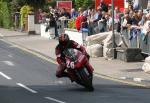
x=78, y=68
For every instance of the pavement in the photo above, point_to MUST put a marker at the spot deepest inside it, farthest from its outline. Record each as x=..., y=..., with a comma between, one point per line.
x=117, y=70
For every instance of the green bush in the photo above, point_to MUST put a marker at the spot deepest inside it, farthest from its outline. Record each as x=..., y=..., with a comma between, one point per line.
x=24, y=11
x=0, y=14
x=5, y=19
x=71, y=24
x=83, y=3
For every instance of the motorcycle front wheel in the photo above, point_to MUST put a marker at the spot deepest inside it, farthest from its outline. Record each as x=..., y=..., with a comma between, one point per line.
x=86, y=78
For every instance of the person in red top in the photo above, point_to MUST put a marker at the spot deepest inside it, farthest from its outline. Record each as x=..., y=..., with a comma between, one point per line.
x=65, y=42
x=81, y=20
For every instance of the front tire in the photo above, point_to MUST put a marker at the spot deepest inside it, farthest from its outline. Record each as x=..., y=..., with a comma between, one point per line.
x=86, y=78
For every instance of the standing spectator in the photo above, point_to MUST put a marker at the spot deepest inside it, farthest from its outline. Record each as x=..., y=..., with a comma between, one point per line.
x=117, y=19
x=91, y=22
x=52, y=24
x=51, y=10
x=142, y=17
x=134, y=29
x=64, y=13
x=97, y=17
x=109, y=20
x=102, y=22
x=16, y=19
x=103, y=6
x=40, y=16
x=117, y=14
x=74, y=14
x=131, y=11
x=84, y=23
x=135, y=19
x=127, y=22
x=136, y=4
x=78, y=19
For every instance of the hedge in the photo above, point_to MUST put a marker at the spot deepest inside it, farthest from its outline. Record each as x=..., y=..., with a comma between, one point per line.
x=5, y=19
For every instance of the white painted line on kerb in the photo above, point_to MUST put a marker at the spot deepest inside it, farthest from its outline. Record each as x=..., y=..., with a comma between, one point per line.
x=27, y=88
x=123, y=77
x=5, y=76
x=53, y=99
x=1, y=35
x=137, y=79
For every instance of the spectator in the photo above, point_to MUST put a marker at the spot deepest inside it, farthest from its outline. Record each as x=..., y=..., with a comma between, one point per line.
x=103, y=6
x=102, y=23
x=92, y=24
x=40, y=16
x=51, y=10
x=98, y=15
x=146, y=27
x=78, y=19
x=127, y=22
x=135, y=19
x=142, y=17
x=117, y=14
x=64, y=13
x=117, y=19
x=136, y=4
x=109, y=20
x=131, y=11
x=74, y=14
x=52, y=24
x=84, y=23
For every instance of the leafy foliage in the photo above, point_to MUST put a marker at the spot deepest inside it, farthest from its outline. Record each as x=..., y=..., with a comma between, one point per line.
x=71, y=24
x=33, y=3
x=83, y=3
x=5, y=19
x=25, y=10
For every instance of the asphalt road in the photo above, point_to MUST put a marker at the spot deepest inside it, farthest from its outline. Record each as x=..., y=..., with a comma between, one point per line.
x=25, y=78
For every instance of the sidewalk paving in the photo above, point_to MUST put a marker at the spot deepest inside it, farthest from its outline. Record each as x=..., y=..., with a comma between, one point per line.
x=117, y=69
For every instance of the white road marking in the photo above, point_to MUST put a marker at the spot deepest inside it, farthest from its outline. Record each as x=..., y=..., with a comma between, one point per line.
x=9, y=63
x=10, y=56
x=53, y=99
x=5, y=76
x=27, y=88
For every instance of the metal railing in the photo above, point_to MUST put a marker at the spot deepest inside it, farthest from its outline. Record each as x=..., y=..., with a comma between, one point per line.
x=137, y=41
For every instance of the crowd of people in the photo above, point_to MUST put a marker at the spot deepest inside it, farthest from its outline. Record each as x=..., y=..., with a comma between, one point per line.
x=95, y=21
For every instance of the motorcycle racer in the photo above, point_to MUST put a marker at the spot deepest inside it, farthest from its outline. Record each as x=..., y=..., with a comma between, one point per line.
x=64, y=43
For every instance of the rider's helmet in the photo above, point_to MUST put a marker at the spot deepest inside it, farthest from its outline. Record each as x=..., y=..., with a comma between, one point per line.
x=63, y=39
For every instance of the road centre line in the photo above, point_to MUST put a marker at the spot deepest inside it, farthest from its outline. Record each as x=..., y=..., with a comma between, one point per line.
x=5, y=76
x=27, y=88
x=9, y=63
x=53, y=99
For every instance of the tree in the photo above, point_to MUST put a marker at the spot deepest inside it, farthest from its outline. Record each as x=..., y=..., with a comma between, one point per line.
x=33, y=3
x=83, y=3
